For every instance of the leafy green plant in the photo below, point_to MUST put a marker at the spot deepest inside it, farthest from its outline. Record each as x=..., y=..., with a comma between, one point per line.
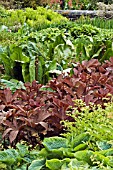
x=38, y=19
x=94, y=120
x=12, y=84
x=97, y=21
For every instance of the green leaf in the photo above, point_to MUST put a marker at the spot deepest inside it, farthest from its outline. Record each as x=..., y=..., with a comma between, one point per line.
x=6, y=158
x=13, y=84
x=101, y=158
x=37, y=164
x=80, y=139
x=32, y=70
x=8, y=64
x=25, y=72
x=55, y=143
x=3, y=166
x=80, y=147
x=40, y=69
x=52, y=65
x=22, y=167
x=18, y=56
x=108, y=152
x=54, y=164
x=107, y=55
x=12, y=153
x=103, y=145
x=84, y=156
x=23, y=149
x=75, y=164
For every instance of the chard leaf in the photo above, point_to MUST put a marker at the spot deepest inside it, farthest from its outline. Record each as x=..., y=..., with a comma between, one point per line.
x=18, y=56
x=25, y=72
x=40, y=69
x=32, y=69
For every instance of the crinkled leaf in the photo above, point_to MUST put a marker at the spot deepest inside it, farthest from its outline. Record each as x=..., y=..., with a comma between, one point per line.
x=55, y=143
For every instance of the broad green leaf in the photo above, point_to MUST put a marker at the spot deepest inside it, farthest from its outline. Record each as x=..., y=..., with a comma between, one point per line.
x=18, y=56
x=75, y=164
x=12, y=153
x=55, y=143
x=84, y=156
x=3, y=166
x=43, y=153
x=37, y=164
x=54, y=164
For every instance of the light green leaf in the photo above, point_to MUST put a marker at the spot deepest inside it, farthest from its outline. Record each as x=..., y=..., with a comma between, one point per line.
x=54, y=164
x=52, y=65
x=84, y=156
x=18, y=56
x=32, y=70
x=75, y=164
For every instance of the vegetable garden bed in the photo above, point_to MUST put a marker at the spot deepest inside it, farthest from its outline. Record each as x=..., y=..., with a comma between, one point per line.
x=56, y=87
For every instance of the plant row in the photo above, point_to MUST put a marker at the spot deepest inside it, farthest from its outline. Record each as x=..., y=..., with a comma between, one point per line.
x=39, y=108
x=53, y=50
x=87, y=144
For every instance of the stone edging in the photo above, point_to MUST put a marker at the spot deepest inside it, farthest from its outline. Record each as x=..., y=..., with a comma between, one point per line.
x=73, y=14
